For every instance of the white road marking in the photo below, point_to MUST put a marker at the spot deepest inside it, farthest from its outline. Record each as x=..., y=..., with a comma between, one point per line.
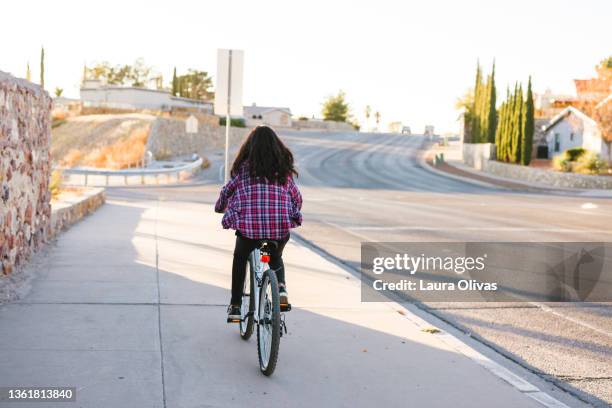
x=588, y=206
x=571, y=319
x=341, y=228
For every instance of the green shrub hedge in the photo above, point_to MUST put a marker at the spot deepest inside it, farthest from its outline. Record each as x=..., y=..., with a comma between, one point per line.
x=234, y=122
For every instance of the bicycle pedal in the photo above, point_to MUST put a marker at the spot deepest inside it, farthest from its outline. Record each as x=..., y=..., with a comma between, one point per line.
x=285, y=307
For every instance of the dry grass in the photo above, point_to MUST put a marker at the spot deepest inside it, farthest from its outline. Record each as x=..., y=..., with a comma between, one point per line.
x=73, y=158
x=59, y=115
x=121, y=154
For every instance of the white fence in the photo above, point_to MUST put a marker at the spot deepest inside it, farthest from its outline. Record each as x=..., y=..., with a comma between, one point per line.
x=476, y=155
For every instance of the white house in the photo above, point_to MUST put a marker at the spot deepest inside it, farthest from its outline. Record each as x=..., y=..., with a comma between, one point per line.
x=96, y=94
x=264, y=115
x=572, y=128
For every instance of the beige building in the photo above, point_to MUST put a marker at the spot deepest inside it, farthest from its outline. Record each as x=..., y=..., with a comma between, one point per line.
x=94, y=93
x=264, y=115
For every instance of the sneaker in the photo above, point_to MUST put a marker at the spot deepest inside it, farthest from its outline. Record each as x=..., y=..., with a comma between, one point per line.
x=283, y=295
x=233, y=313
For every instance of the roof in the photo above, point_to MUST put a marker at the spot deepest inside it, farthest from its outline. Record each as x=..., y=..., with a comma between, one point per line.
x=260, y=110
x=566, y=112
x=591, y=85
x=604, y=101
x=123, y=88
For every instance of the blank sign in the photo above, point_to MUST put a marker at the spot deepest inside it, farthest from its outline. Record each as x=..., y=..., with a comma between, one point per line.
x=223, y=86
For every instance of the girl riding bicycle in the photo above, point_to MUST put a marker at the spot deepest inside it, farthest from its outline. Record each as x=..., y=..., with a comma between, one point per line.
x=260, y=201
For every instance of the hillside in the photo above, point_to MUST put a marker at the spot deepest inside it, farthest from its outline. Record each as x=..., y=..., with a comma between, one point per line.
x=112, y=141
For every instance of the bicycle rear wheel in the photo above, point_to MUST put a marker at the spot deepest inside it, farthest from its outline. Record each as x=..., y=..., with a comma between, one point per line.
x=268, y=323
x=248, y=304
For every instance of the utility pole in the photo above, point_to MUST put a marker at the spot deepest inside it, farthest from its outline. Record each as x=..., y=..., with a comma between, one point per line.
x=228, y=119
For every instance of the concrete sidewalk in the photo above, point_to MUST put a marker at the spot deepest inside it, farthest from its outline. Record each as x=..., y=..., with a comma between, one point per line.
x=130, y=309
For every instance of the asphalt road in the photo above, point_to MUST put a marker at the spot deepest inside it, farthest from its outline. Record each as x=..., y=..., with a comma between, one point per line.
x=369, y=187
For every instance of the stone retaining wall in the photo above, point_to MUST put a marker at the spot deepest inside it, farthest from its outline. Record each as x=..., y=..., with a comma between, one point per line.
x=25, y=136
x=67, y=210
x=547, y=177
x=168, y=138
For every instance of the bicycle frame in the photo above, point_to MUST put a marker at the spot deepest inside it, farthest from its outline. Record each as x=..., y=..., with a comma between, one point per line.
x=259, y=268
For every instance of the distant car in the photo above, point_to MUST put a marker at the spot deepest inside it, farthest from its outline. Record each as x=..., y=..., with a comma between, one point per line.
x=406, y=130
x=429, y=131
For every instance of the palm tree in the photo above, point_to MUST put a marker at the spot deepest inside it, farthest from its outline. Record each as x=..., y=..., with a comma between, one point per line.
x=377, y=116
x=368, y=112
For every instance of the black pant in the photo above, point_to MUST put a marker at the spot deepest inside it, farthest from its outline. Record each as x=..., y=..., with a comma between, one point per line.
x=244, y=247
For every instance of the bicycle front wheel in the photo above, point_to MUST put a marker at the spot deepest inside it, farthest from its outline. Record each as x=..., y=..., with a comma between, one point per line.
x=248, y=304
x=268, y=323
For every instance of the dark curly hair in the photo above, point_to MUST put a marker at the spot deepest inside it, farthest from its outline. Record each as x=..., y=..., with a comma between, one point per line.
x=266, y=155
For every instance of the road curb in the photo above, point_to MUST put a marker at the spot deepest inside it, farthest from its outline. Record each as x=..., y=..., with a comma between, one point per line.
x=426, y=166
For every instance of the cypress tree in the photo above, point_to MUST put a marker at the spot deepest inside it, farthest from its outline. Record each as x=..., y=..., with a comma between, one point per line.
x=181, y=86
x=511, y=137
x=492, y=112
x=529, y=126
x=500, y=135
x=517, y=131
x=28, y=73
x=42, y=67
x=174, y=83
x=507, y=125
x=475, y=125
x=484, y=112
x=501, y=139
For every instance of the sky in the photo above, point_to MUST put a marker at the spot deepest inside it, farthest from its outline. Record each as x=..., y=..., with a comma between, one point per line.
x=409, y=60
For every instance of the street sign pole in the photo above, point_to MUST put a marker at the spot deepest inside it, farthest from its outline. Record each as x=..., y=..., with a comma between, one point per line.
x=228, y=97
x=228, y=119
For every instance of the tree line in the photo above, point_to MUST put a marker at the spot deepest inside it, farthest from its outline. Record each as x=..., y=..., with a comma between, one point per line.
x=194, y=84
x=510, y=127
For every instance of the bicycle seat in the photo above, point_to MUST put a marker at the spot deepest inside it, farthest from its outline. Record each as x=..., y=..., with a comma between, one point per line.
x=267, y=244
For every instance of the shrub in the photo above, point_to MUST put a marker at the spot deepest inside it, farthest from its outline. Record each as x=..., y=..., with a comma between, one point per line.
x=589, y=163
x=234, y=122
x=560, y=163
x=205, y=163
x=303, y=118
x=55, y=184
x=574, y=153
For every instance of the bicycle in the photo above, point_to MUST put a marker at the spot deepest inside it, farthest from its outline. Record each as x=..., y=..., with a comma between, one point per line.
x=261, y=306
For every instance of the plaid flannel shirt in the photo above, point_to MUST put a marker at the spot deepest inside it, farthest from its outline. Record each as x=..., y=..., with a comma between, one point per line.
x=259, y=209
